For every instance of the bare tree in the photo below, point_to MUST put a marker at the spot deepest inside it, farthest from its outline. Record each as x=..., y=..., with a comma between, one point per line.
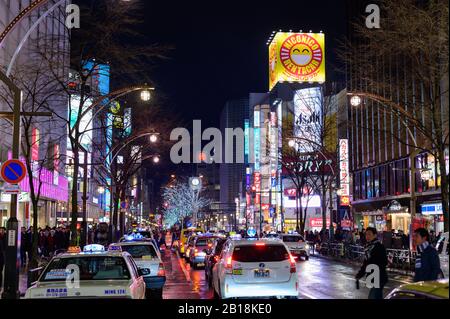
x=401, y=69
x=182, y=202
x=40, y=93
x=97, y=43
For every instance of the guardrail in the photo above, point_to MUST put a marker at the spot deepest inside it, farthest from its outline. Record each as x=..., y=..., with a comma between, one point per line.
x=398, y=259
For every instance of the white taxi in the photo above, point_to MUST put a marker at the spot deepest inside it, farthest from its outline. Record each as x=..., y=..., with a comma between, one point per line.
x=93, y=273
x=255, y=268
x=296, y=244
x=148, y=259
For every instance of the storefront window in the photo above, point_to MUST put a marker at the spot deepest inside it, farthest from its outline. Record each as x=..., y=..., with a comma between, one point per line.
x=391, y=179
x=383, y=181
x=363, y=186
x=369, y=185
x=357, y=185
x=376, y=182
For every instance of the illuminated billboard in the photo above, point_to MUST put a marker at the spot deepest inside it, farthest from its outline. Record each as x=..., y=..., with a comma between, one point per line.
x=308, y=119
x=84, y=120
x=296, y=57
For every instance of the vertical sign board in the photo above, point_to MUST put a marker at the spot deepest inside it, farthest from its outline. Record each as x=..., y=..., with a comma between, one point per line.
x=344, y=173
x=35, y=137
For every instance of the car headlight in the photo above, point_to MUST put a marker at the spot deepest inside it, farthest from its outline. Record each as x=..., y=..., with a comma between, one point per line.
x=307, y=247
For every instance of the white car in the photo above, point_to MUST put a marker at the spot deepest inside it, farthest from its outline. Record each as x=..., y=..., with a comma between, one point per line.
x=255, y=268
x=296, y=244
x=101, y=275
x=148, y=259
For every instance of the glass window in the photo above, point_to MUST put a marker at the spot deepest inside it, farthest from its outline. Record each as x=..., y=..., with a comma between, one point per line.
x=138, y=251
x=255, y=253
x=292, y=239
x=383, y=181
x=363, y=186
x=391, y=179
x=369, y=185
x=91, y=268
x=376, y=182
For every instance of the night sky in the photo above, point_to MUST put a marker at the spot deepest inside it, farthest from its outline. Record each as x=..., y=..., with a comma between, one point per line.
x=220, y=50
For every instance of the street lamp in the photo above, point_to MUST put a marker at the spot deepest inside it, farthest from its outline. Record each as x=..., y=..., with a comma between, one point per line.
x=291, y=143
x=355, y=100
x=145, y=95
x=154, y=138
x=156, y=159
x=101, y=190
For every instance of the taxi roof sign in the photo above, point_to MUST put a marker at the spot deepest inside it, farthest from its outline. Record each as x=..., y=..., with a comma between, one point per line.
x=74, y=250
x=114, y=248
x=93, y=248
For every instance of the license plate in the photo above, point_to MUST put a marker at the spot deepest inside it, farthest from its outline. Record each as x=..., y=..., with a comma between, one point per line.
x=262, y=273
x=237, y=271
x=200, y=264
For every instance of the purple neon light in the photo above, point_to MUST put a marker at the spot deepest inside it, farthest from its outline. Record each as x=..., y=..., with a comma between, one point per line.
x=58, y=192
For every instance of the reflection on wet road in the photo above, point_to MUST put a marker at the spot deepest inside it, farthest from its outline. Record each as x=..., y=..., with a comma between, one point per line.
x=318, y=279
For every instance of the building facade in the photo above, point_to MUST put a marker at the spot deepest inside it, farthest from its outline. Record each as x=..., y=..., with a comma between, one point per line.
x=383, y=149
x=35, y=75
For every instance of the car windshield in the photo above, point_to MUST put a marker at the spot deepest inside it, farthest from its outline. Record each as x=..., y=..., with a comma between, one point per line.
x=292, y=239
x=259, y=253
x=204, y=241
x=90, y=268
x=138, y=251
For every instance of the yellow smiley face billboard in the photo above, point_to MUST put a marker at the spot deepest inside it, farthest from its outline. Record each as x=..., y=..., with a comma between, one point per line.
x=296, y=57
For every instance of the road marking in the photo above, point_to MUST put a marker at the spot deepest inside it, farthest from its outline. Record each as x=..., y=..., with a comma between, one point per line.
x=186, y=273
x=308, y=295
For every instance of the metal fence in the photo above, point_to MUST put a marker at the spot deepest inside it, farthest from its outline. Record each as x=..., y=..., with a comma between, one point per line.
x=398, y=259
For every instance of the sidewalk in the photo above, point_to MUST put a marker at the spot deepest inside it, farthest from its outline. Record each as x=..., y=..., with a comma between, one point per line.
x=22, y=281
x=356, y=263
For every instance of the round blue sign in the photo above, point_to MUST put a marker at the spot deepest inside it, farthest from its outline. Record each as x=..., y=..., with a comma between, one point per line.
x=251, y=232
x=13, y=171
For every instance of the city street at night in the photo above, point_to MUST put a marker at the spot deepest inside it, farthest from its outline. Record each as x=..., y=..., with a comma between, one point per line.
x=227, y=158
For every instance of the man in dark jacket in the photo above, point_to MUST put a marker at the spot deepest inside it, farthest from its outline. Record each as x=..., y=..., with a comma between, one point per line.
x=428, y=265
x=374, y=256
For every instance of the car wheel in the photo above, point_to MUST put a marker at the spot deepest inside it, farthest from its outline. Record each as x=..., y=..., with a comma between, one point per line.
x=306, y=257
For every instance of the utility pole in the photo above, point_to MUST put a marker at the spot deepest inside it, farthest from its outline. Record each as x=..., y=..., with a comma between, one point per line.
x=84, y=227
x=11, y=283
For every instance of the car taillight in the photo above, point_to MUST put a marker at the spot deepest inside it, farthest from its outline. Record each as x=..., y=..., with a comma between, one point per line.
x=161, y=271
x=293, y=268
x=229, y=262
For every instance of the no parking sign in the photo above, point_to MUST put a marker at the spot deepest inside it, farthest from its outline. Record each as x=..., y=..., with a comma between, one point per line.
x=13, y=171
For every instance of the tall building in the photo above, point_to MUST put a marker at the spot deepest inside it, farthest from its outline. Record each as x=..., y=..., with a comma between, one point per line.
x=47, y=136
x=232, y=175
x=381, y=145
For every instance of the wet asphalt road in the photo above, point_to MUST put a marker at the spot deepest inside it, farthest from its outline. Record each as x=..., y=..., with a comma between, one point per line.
x=319, y=278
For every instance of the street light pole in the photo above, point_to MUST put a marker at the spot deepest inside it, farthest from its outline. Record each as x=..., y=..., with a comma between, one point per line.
x=11, y=284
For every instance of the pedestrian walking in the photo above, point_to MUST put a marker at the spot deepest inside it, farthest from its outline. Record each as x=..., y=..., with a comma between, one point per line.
x=23, y=246
x=428, y=266
x=374, y=255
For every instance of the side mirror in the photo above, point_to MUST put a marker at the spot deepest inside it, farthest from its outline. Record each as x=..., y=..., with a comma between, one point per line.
x=144, y=271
